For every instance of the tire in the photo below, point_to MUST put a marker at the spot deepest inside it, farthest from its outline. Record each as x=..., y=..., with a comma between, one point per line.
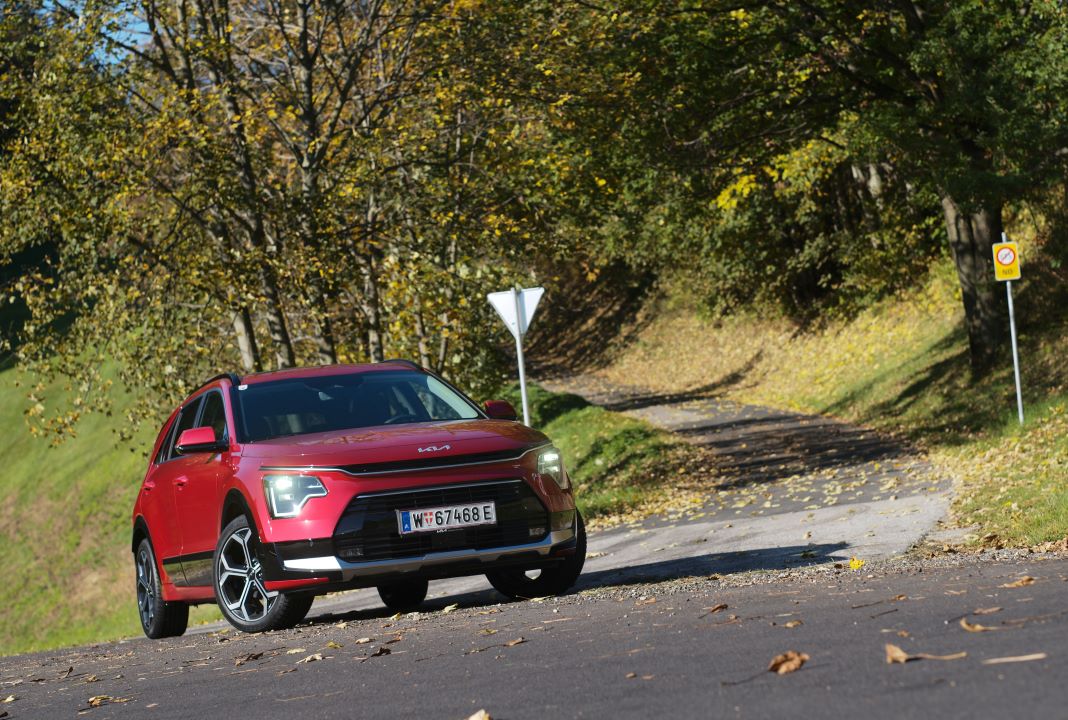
x=557, y=579
x=404, y=596
x=238, y=581
x=159, y=618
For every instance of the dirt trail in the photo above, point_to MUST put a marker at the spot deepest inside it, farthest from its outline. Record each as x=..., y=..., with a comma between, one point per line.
x=809, y=485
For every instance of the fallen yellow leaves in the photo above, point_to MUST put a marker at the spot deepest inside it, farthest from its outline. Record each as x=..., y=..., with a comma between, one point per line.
x=855, y=563
x=976, y=627
x=98, y=700
x=787, y=662
x=714, y=609
x=316, y=657
x=238, y=662
x=449, y=608
x=480, y=715
x=894, y=654
x=1015, y=659
x=1021, y=582
x=792, y=624
x=513, y=643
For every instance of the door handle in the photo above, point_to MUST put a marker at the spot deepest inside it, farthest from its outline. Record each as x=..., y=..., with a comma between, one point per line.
x=148, y=485
x=180, y=482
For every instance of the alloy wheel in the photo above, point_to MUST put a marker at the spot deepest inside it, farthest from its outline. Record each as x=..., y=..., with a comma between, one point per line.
x=241, y=579
x=146, y=595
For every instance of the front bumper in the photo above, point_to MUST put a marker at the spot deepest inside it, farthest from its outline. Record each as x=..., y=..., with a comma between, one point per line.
x=289, y=566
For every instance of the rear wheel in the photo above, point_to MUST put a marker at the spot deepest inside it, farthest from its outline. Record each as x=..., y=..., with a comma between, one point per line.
x=238, y=579
x=405, y=595
x=159, y=618
x=554, y=580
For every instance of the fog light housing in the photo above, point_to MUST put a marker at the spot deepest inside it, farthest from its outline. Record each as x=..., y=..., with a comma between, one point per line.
x=562, y=520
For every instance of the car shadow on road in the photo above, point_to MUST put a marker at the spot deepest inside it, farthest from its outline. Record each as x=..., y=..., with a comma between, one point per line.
x=700, y=566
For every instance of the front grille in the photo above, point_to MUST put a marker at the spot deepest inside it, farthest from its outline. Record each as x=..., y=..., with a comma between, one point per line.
x=368, y=528
x=434, y=462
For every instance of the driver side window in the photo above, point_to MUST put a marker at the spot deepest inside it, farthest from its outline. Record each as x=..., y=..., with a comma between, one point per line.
x=214, y=415
x=185, y=422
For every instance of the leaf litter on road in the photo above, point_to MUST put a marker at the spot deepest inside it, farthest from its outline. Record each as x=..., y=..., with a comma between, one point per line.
x=1020, y=582
x=976, y=627
x=1015, y=659
x=238, y=662
x=100, y=700
x=787, y=662
x=894, y=654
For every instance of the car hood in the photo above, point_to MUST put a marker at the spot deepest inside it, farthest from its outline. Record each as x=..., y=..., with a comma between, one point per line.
x=424, y=442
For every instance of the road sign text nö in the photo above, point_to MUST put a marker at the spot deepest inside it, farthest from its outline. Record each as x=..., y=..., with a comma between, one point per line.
x=1006, y=261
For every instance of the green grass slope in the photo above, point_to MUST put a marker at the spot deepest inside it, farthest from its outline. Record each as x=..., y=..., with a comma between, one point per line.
x=64, y=530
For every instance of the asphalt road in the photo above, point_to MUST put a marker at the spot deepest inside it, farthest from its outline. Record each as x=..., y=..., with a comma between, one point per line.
x=651, y=650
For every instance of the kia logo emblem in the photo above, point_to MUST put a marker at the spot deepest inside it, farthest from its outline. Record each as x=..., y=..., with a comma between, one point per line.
x=435, y=448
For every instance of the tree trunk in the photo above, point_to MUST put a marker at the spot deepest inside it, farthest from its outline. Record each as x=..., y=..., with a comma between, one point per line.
x=420, y=334
x=971, y=236
x=276, y=320
x=372, y=313
x=246, y=340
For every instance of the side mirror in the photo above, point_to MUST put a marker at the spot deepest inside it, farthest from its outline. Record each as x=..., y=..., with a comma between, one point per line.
x=198, y=440
x=500, y=410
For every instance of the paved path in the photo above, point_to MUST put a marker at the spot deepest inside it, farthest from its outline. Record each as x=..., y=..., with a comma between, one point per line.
x=786, y=479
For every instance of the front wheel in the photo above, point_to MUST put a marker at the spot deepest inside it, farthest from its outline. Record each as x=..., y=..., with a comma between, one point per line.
x=238, y=579
x=159, y=618
x=554, y=580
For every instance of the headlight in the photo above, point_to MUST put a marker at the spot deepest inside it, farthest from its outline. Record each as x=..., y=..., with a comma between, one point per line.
x=286, y=494
x=550, y=463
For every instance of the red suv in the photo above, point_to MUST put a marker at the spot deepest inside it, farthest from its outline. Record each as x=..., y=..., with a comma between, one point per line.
x=267, y=490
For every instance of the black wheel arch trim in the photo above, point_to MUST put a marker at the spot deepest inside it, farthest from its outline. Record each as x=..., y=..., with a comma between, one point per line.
x=140, y=530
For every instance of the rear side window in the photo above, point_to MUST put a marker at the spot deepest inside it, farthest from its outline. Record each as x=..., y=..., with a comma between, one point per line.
x=185, y=422
x=214, y=415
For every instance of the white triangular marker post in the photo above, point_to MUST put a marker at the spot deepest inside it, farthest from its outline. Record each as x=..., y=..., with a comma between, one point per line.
x=516, y=308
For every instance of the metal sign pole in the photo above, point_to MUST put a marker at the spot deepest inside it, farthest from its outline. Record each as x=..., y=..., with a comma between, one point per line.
x=1015, y=353
x=519, y=356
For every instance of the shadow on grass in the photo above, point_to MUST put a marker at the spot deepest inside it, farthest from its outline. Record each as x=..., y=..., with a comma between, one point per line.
x=957, y=405
x=728, y=563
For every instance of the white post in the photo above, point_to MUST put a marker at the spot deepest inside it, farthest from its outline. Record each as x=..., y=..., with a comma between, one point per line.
x=519, y=356
x=1015, y=353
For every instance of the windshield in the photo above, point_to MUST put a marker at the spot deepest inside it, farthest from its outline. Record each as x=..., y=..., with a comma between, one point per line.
x=341, y=402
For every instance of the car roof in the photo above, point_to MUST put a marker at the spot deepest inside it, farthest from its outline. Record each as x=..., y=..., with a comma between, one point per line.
x=327, y=370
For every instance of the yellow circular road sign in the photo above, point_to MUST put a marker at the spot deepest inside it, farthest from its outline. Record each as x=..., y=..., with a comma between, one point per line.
x=1006, y=261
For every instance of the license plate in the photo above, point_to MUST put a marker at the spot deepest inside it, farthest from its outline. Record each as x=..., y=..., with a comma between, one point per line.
x=446, y=518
